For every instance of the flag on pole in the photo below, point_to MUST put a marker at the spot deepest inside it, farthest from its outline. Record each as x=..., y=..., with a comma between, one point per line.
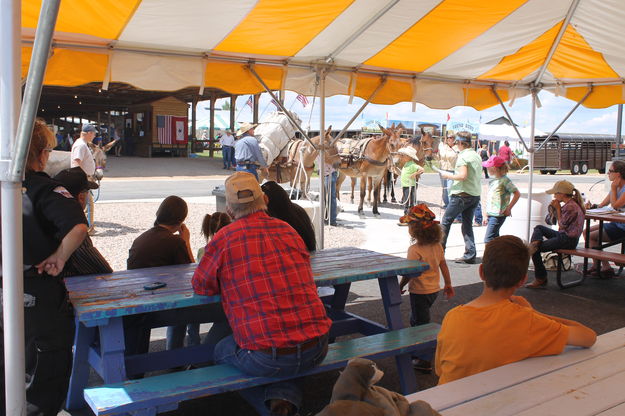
x=302, y=99
x=448, y=117
x=250, y=102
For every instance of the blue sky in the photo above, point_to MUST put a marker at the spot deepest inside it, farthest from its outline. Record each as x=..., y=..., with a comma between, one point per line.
x=339, y=111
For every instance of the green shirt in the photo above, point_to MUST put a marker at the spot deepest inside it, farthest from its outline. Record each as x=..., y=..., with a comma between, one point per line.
x=499, y=192
x=409, y=169
x=472, y=185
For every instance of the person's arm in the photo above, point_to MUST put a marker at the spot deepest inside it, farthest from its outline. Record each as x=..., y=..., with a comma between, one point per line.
x=616, y=203
x=461, y=174
x=185, y=234
x=448, y=290
x=418, y=172
x=402, y=284
x=605, y=201
x=579, y=335
x=255, y=148
x=54, y=264
x=515, y=197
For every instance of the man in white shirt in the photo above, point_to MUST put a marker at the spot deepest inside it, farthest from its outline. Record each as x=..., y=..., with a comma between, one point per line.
x=227, y=149
x=83, y=158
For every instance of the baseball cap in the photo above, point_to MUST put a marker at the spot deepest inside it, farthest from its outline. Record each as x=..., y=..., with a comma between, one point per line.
x=75, y=180
x=88, y=128
x=562, y=187
x=494, y=162
x=242, y=187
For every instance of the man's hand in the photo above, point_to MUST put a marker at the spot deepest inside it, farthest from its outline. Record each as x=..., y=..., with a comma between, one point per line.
x=507, y=212
x=520, y=300
x=185, y=234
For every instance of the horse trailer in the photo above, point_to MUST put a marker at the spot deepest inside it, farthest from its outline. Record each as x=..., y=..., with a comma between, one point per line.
x=574, y=152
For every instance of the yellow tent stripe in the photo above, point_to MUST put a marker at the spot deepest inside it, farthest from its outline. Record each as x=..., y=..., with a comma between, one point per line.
x=449, y=22
x=575, y=59
x=282, y=27
x=100, y=18
x=526, y=60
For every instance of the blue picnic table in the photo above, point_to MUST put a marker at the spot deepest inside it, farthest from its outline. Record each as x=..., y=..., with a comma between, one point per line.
x=102, y=301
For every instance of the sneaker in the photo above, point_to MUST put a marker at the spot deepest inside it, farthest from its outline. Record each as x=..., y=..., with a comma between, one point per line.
x=422, y=365
x=463, y=260
x=402, y=224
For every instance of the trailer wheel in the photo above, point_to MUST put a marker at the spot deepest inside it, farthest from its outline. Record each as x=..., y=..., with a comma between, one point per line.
x=583, y=168
x=552, y=172
x=602, y=171
x=575, y=169
x=543, y=172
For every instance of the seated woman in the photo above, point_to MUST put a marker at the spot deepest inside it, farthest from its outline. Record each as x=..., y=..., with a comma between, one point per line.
x=281, y=207
x=612, y=231
x=567, y=201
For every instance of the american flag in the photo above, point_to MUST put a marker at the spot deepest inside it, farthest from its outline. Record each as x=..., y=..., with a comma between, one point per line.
x=302, y=99
x=250, y=102
x=163, y=129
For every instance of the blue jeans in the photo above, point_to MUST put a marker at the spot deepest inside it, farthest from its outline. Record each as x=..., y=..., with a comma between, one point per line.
x=464, y=205
x=227, y=153
x=176, y=334
x=248, y=167
x=265, y=364
x=492, y=229
x=554, y=240
x=478, y=213
x=330, y=182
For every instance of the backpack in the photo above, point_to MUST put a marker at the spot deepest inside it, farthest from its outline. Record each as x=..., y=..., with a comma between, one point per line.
x=550, y=260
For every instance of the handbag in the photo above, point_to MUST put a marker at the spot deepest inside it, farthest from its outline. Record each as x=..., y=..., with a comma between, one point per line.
x=550, y=260
x=551, y=218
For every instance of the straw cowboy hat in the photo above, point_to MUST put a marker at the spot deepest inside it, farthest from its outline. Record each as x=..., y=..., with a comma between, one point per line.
x=245, y=127
x=410, y=152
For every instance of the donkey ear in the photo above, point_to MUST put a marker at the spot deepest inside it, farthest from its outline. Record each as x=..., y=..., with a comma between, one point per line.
x=329, y=130
x=385, y=131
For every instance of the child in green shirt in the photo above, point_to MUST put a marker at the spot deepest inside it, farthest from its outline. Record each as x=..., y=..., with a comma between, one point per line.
x=502, y=195
x=410, y=173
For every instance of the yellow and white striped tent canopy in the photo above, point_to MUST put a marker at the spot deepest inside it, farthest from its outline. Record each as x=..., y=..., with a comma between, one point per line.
x=438, y=52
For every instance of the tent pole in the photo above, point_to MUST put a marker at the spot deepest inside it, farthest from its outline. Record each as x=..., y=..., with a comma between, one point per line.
x=565, y=118
x=21, y=128
x=505, y=110
x=322, y=163
x=531, y=166
x=11, y=202
x=619, y=126
x=281, y=105
x=360, y=110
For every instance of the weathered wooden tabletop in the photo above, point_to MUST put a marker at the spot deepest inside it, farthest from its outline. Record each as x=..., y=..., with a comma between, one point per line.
x=97, y=297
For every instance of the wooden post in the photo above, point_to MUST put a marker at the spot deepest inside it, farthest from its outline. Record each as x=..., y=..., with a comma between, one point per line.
x=98, y=121
x=255, y=110
x=211, y=130
x=233, y=104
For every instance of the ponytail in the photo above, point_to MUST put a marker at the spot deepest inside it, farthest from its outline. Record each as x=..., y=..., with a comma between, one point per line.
x=213, y=223
x=577, y=197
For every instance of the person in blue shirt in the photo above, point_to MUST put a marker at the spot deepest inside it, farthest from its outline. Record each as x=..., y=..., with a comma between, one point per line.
x=247, y=151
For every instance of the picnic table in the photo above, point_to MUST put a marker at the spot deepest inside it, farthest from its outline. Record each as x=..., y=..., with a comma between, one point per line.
x=102, y=301
x=578, y=382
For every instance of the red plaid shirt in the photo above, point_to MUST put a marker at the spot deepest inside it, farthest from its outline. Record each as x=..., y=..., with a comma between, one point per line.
x=261, y=267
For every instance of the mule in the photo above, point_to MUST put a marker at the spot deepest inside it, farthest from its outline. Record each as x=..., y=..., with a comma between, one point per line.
x=373, y=164
x=60, y=159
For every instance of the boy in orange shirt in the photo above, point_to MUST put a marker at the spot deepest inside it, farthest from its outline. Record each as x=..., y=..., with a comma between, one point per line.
x=498, y=328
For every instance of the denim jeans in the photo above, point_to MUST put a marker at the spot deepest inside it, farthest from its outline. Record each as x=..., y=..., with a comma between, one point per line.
x=409, y=194
x=227, y=153
x=464, y=205
x=420, y=305
x=492, y=229
x=177, y=333
x=264, y=364
x=330, y=182
x=554, y=240
x=249, y=167
x=479, y=218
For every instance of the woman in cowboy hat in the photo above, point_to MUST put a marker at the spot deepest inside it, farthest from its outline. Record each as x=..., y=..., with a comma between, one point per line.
x=247, y=151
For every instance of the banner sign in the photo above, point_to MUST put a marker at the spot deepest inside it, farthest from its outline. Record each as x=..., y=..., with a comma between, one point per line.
x=457, y=126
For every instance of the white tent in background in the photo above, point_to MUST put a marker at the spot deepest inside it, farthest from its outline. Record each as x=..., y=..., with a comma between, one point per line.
x=500, y=132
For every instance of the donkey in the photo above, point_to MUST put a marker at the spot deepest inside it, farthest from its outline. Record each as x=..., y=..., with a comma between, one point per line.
x=60, y=159
x=376, y=155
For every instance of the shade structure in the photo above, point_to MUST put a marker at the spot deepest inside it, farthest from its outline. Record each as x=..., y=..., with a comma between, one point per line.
x=441, y=53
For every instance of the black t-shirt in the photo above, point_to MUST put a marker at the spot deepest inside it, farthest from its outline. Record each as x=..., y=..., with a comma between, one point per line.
x=49, y=213
x=157, y=247
x=484, y=155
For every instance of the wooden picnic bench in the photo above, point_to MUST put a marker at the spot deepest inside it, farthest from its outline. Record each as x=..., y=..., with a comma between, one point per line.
x=578, y=382
x=102, y=301
x=153, y=395
x=596, y=253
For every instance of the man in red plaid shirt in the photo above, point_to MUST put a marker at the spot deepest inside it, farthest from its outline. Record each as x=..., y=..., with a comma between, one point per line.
x=261, y=268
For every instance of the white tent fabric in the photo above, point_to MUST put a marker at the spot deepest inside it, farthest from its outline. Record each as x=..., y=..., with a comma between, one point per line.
x=438, y=52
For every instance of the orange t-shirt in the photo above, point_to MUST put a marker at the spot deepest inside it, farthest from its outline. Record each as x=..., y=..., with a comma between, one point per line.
x=474, y=339
x=430, y=280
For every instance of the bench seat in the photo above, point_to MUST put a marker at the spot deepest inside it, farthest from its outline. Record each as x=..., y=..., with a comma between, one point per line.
x=151, y=395
x=590, y=253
